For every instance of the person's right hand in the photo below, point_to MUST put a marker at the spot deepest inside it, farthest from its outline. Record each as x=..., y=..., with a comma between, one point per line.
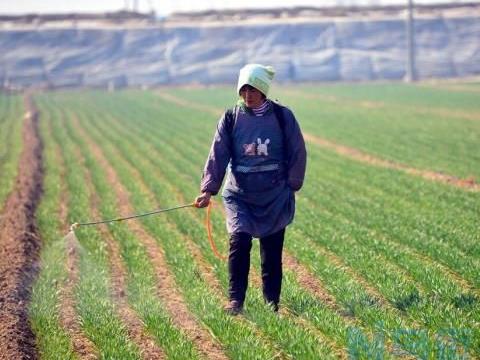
x=203, y=200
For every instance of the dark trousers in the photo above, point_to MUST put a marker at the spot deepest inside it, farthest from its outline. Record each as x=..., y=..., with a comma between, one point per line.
x=271, y=259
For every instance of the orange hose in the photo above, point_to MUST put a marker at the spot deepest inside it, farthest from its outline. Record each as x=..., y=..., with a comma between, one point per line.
x=208, y=225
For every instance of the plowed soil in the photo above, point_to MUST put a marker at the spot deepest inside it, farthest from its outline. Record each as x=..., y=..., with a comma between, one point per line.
x=20, y=244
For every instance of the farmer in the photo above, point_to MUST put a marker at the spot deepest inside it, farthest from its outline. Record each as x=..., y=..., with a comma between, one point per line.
x=261, y=145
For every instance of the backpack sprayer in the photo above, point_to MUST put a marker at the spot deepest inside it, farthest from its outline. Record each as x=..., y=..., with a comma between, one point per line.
x=154, y=212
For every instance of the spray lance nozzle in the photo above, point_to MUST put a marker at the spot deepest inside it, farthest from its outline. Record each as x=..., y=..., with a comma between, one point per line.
x=73, y=226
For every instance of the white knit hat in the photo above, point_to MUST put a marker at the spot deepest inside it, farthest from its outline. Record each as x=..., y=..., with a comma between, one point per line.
x=256, y=75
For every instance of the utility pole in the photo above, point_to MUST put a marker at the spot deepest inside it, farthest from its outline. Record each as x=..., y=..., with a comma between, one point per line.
x=411, y=74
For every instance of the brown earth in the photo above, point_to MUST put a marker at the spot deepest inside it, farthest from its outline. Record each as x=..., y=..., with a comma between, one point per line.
x=20, y=244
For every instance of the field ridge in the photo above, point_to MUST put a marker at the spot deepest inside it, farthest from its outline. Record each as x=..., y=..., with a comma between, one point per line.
x=20, y=241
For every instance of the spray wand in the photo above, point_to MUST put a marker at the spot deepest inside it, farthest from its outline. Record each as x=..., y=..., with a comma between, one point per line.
x=207, y=222
x=75, y=225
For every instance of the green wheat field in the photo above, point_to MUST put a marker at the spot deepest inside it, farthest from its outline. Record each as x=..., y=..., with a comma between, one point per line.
x=381, y=262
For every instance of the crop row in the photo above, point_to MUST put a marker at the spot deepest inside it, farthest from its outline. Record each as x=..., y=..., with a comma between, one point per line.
x=453, y=225
x=406, y=215
x=52, y=339
x=471, y=264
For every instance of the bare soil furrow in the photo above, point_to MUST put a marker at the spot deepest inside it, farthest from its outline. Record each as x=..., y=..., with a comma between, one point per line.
x=459, y=114
x=166, y=287
x=350, y=152
x=189, y=104
x=20, y=244
x=448, y=273
x=118, y=274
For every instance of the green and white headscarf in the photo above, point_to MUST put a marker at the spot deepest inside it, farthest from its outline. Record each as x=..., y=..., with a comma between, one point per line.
x=256, y=75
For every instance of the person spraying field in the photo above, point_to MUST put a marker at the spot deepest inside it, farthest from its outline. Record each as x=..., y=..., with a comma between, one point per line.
x=72, y=237
x=260, y=143
x=260, y=146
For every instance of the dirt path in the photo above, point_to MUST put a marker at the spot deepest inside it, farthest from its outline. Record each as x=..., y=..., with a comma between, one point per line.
x=20, y=244
x=166, y=287
x=352, y=153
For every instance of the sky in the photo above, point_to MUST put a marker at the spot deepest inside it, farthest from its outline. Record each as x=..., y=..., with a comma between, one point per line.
x=165, y=7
